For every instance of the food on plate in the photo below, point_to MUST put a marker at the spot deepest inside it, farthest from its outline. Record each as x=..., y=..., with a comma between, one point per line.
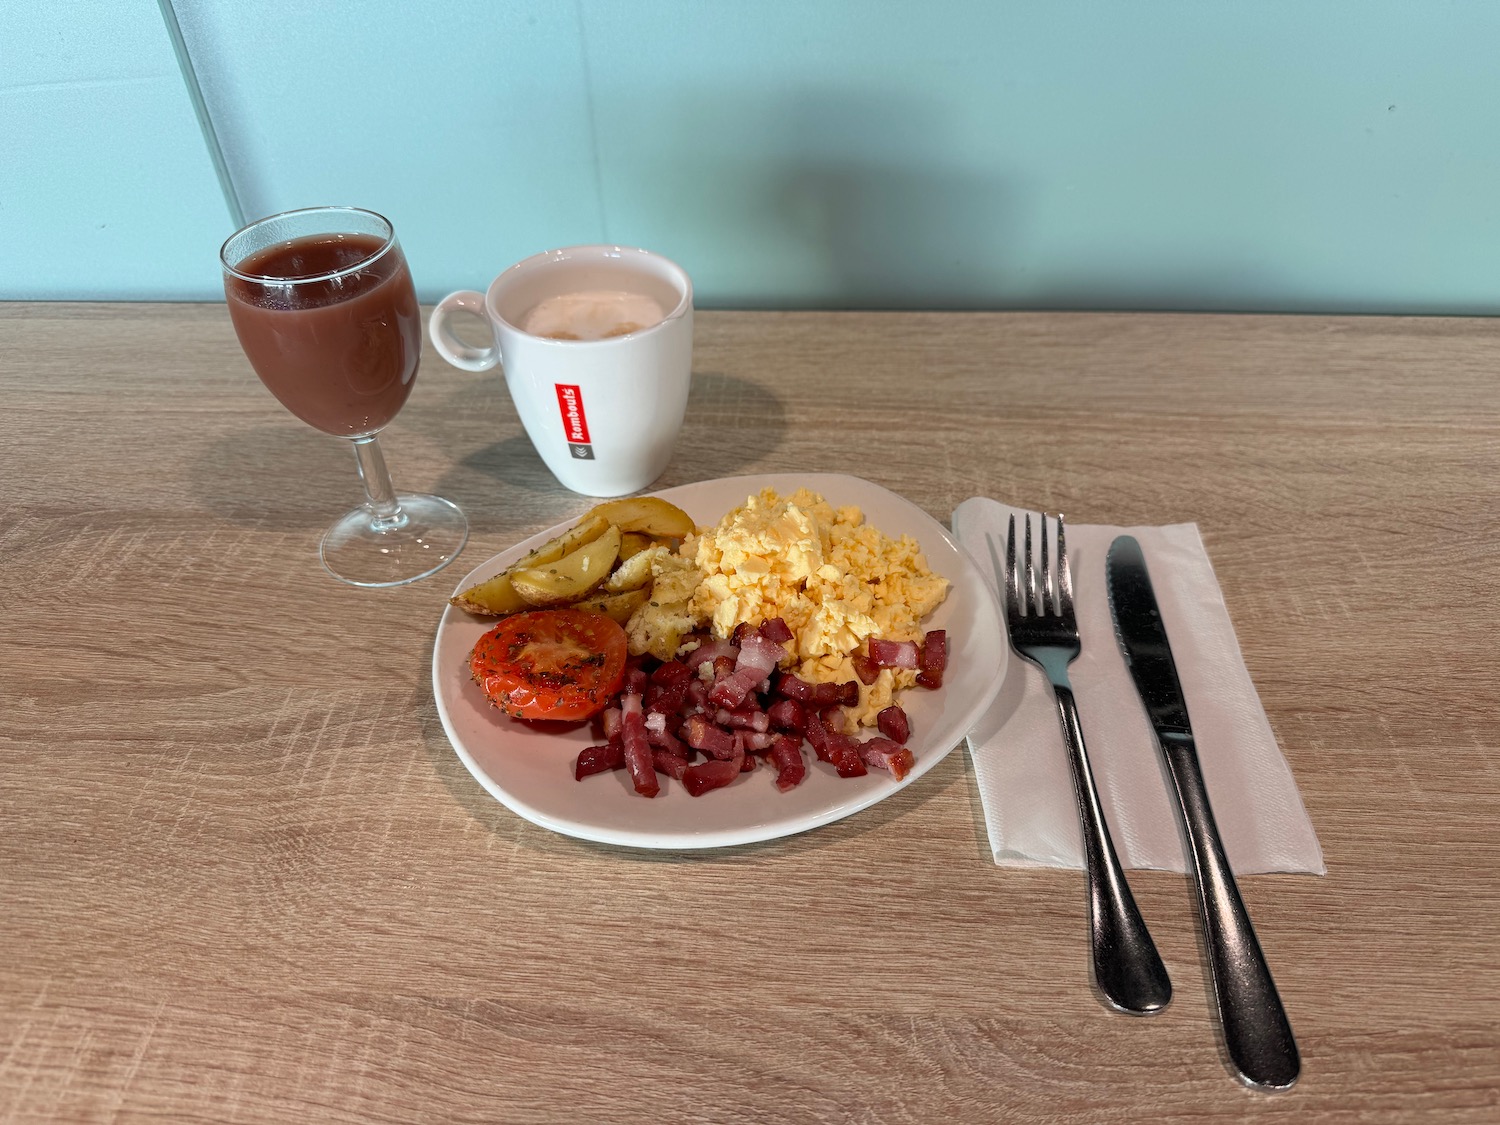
x=660, y=627
x=555, y=664
x=633, y=573
x=838, y=582
x=494, y=597
x=571, y=577
x=497, y=596
x=705, y=651
x=618, y=607
x=649, y=515
x=633, y=543
x=730, y=702
x=568, y=567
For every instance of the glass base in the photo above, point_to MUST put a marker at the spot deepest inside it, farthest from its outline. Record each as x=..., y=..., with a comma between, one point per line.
x=365, y=551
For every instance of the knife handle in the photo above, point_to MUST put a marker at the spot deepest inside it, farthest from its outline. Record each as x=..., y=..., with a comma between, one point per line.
x=1256, y=1031
x=1127, y=967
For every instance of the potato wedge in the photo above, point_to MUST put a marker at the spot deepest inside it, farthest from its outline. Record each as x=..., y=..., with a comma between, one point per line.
x=570, y=577
x=658, y=629
x=586, y=530
x=497, y=596
x=494, y=597
x=620, y=607
x=649, y=514
x=636, y=571
x=633, y=543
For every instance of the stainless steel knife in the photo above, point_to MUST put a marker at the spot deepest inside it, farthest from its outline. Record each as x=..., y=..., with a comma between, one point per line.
x=1256, y=1031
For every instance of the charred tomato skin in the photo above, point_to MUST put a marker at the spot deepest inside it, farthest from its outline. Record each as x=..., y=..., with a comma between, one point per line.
x=557, y=665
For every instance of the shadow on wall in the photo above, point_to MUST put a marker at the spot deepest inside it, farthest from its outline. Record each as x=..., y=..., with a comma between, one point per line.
x=853, y=201
x=877, y=201
x=895, y=236
x=1188, y=285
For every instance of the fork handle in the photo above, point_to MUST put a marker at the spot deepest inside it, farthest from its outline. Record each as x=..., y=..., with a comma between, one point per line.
x=1127, y=967
x=1256, y=1031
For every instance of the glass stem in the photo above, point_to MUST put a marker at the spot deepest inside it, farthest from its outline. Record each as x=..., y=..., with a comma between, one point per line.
x=380, y=494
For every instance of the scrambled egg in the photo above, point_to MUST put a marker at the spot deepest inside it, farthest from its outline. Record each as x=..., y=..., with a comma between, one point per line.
x=833, y=578
x=660, y=625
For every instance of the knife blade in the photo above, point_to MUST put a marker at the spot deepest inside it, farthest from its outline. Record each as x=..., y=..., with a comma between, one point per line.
x=1256, y=1032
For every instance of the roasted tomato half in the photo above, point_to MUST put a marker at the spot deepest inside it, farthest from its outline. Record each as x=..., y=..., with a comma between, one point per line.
x=556, y=664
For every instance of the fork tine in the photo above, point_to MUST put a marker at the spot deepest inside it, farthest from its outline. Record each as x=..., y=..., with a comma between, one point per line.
x=1012, y=579
x=1065, y=574
x=1047, y=591
x=1031, y=599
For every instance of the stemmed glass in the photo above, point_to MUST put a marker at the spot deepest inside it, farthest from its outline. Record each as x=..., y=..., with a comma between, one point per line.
x=323, y=304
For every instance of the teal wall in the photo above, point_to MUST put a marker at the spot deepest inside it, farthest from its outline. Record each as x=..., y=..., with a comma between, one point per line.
x=1193, y=154
x=105, y=189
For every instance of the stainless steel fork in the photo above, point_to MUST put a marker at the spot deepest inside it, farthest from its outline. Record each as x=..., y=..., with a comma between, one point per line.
x=1044, y=630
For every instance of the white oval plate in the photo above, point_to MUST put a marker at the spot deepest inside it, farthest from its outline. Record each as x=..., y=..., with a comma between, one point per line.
x=530, y=770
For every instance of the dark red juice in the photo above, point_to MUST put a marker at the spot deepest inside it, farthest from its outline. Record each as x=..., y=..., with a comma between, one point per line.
x=340, y=353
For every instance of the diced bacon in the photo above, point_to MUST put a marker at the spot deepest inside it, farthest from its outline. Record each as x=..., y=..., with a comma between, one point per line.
x=661, y=738
x=754, y=741
x=709, y=649
x=741, y=631
x=666, y=699
x=730, y=692
x=817, y=696
x=817, y=735
x=746, y=718
x=789, y=686
x=933, y=658
x=727, y=701
x=787, y=715
x=671, y=673
x=598, y=759
x=759, y=654
x=701, y=734
x=637, y=749
x=775, y=629
x=786, y=756
x=611, y=720
x=893, y=654
x=893, y=723
x=703, y=776
x=673, y=765
x=884, y=754
x=843, y=753
x=757, y=660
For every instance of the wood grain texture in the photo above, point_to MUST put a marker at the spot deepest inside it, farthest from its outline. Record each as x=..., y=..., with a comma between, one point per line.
x=244, y=878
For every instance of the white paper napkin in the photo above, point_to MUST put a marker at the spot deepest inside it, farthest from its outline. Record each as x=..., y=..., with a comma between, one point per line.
x=1017, y=748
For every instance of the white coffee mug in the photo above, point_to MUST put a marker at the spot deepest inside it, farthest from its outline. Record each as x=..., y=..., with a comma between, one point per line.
x=604, y=414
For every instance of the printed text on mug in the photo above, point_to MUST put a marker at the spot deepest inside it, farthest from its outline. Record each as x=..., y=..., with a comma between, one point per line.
x=575, y=422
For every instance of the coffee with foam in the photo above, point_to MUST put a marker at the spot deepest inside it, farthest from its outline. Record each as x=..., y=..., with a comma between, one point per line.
x=592, y=314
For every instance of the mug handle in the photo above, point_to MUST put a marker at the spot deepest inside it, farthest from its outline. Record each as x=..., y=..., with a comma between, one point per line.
x=449, y=346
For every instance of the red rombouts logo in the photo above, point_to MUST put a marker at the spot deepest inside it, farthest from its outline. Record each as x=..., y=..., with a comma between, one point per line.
x=575, y=422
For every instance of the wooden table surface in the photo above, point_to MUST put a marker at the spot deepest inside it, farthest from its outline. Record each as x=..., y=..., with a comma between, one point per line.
x=243, y=876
